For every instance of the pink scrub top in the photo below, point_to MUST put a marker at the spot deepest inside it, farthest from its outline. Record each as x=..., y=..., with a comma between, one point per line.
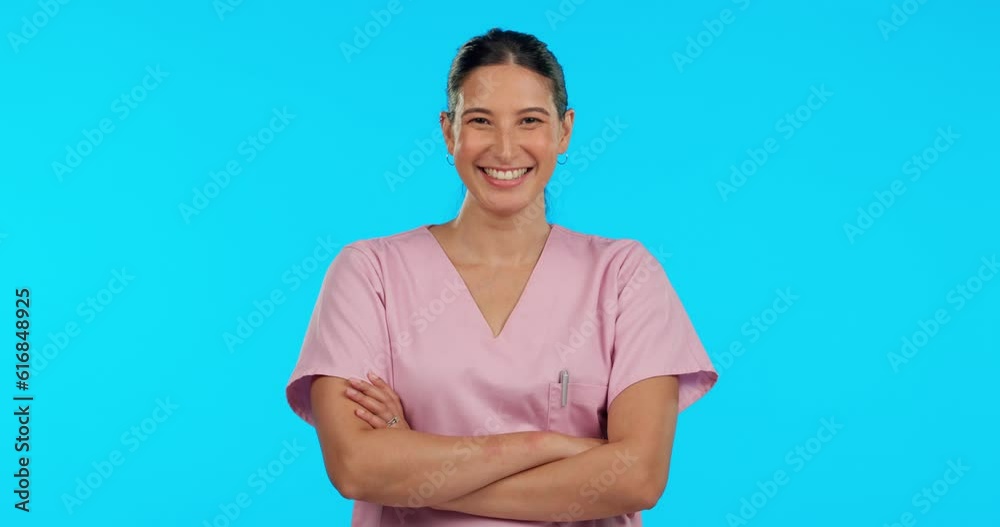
x=600, y=308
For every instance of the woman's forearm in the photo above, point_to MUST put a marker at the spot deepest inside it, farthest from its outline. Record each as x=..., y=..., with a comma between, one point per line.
x=606, y=481
x=405, y=468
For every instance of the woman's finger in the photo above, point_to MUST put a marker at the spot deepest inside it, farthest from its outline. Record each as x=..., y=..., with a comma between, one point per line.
x=378, y=398
x=370, y=404
x=381, y=392
x=366, y=416
x=379, y=383
x=389, y=406
x=370, y=390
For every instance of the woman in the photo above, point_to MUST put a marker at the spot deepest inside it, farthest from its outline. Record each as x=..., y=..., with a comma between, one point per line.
x=520, y=371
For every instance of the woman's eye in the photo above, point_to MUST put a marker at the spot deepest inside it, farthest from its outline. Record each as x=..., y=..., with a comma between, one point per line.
x=484, y=121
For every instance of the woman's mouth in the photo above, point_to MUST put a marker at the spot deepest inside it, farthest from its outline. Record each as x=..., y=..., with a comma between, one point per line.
x=505, y=178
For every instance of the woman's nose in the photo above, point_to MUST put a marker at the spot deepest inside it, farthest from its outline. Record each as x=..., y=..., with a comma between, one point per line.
x=505, y=144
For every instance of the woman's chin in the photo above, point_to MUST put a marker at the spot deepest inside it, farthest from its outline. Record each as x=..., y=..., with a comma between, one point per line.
x=505, y=205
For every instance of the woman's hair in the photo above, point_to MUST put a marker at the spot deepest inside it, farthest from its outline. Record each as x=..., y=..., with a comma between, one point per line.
x=500, y=46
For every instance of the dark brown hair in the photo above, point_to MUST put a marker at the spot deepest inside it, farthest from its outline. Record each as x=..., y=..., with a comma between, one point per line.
x=500, y=46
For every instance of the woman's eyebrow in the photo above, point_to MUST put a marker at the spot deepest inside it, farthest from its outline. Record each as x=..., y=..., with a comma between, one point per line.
x=534, y=109
x=478, y=109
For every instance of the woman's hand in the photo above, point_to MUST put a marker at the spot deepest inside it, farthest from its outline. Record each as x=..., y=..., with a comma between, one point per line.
x=379, y=403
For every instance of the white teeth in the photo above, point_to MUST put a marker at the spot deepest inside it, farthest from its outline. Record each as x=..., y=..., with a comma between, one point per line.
x=505, y=174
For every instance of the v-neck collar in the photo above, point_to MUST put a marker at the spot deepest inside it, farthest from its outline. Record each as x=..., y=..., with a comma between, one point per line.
x=524, y=292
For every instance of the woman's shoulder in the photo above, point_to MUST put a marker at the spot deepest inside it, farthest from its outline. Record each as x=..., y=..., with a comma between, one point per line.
x=622, y=254
x=381, y=245
x=600, y=244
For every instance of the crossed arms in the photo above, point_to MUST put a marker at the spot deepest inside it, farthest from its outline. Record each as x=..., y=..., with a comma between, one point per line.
x=533, y=476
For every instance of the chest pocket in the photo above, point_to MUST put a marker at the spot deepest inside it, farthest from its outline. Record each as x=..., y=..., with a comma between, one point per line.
x=585, y=413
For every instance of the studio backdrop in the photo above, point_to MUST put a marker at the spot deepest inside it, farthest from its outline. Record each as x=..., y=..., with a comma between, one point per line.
x=817, y=178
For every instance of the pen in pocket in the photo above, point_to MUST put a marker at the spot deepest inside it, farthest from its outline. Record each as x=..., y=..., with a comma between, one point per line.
x=564, y=381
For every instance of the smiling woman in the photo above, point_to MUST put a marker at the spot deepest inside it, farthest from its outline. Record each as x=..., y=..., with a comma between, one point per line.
x=507, y=118
x=510, y=362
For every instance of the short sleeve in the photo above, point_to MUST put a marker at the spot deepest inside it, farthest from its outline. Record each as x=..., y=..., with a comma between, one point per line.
x=653, y=334
x=347, y=334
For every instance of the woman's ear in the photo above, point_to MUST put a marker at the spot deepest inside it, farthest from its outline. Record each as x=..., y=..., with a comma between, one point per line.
x=567, y=130
x=448, y=131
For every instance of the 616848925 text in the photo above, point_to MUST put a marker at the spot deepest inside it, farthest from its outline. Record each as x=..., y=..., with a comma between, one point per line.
x=22, y=401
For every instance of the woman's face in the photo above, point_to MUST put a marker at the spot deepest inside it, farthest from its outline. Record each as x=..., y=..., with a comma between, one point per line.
x=506, y=136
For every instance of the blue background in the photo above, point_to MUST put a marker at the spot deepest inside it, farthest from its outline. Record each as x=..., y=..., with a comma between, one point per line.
x=691, y=110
